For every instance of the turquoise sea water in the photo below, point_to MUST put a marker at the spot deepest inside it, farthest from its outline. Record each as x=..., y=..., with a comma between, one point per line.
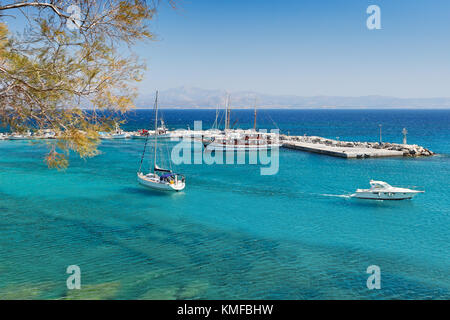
x=232, y=234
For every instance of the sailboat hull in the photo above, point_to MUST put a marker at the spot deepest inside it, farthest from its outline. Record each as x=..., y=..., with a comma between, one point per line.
x=240, y=147
x=152, y=182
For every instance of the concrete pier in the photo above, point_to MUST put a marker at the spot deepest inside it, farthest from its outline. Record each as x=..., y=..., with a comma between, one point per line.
x=355, y=150
x=343, y=152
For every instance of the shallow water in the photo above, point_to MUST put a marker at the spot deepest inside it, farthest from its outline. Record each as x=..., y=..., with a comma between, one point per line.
x=232, y=233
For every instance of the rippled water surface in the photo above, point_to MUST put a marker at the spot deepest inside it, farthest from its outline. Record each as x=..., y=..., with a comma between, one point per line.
x=232, y=233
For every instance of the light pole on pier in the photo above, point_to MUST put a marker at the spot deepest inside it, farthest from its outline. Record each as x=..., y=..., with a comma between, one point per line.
x=381, y=139
x=405, y=132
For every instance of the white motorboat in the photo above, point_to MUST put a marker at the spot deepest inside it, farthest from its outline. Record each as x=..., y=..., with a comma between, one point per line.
x=162, y=131
x=116, y=134
x=119, y=136
x=20, y=136
x=119, y=133
x=159, y=178
x=380, y=190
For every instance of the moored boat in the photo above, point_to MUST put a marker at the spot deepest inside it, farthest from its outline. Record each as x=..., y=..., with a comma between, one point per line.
x=244, y=143
x=141, y=134
x=116, y=134
x=19, y=136
x=240, y=140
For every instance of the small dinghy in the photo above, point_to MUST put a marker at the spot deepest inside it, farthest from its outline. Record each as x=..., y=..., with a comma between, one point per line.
x=380, y=190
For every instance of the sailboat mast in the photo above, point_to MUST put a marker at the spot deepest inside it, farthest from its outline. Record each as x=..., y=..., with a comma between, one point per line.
x=215, y=125
x=254, y=121
x=156, y=128
x=228, y=112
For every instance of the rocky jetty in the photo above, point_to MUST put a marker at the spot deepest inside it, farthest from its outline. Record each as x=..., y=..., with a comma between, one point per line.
x=409, y=150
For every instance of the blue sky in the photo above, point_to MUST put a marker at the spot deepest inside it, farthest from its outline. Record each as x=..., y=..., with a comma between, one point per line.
x=298, y=47
x=315, y=47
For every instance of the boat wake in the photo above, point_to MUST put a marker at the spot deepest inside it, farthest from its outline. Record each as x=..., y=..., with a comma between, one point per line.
x=337, y=195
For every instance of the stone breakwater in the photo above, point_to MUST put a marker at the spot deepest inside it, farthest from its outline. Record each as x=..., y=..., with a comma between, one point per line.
x=345, y=149
x=349, y=149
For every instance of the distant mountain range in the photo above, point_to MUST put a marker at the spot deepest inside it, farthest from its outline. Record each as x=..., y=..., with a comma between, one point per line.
x=187, y=97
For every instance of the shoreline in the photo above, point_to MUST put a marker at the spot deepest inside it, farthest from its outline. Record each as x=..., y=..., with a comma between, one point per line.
x=314, y=144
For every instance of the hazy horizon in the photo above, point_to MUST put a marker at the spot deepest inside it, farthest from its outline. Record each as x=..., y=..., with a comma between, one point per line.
x=185, y=97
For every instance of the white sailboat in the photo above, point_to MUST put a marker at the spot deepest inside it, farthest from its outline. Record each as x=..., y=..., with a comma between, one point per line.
x=241, y=140
x=159, y=178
